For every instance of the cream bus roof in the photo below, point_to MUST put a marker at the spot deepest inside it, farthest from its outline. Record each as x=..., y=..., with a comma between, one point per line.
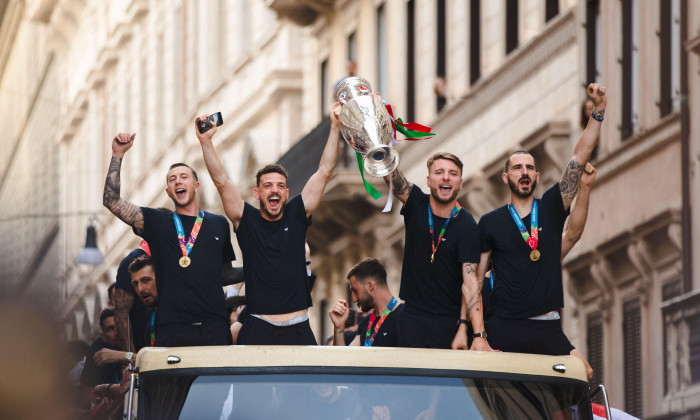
x=151, y=359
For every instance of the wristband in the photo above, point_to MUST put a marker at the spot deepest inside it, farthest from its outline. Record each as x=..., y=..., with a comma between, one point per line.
x=463, y=321
x=598, y=115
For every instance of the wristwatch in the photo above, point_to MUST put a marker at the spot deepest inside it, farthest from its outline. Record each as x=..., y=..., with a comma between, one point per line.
x=480, y=335
x=129, y=356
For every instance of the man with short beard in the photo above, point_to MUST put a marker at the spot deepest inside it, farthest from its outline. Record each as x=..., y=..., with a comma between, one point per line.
x=438, y=276
x=370, y=292
x=523, y=241
x=191, y=252
x=272, y=239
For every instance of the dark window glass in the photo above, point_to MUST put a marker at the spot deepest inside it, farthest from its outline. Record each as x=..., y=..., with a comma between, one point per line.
x=441, y=52
x=594, y=343
x=694, y=348
x=551, y=9
x=626, y=125
x=410, y=61
x=474, y=41
x=511, y=25
x=592, y=40
x=324, y=93
x=631, y=329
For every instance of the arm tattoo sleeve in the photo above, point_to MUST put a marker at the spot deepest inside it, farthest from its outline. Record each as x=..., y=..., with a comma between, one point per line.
x=123, y=302
x=401, y=185
x=569, y=182
x=475, y=298
x=126, y=211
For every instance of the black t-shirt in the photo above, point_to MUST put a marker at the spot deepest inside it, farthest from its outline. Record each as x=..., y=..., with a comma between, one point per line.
x=436, y=287
x=190, y=294
x=274, y=259
x=138, y=313
x=386, y=336
x=523, y=288
x=94, y=375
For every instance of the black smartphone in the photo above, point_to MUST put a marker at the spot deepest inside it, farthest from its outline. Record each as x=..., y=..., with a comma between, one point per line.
x=204, y=126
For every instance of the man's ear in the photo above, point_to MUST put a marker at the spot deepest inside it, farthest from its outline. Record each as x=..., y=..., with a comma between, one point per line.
x=196, y=186
x=256, y=193
x=504, y=176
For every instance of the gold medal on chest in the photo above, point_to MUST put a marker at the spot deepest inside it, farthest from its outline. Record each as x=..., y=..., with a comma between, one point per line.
x=185, y=261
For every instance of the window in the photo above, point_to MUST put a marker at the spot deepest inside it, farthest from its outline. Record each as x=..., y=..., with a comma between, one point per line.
x=592, y=41
x=629, y=69
x=441, y=55
x=410, y=60
x=474, y=41
x=694, y=348
x=669, y=48
x=631, y=330
x=352, y=47
x=511, y=25
x=551, y=9
x=594, y=343
x=381, y=50
x=322, y=90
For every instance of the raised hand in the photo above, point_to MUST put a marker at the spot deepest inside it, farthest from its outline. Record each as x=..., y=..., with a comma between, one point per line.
x=122, y=143
x=597, y=94
x=588, y=175
x=339, y=313
x=207, y=135
x=335, y=114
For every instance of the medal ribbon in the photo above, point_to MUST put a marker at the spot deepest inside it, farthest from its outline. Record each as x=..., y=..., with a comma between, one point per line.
x=153, y=327
x=455, y=210
x=372, y=332
x=532, y=238
x=186, y=248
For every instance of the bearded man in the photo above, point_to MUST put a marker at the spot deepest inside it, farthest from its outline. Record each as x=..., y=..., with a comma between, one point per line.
x=272, y=240
x=523, y=241
x=191, y=252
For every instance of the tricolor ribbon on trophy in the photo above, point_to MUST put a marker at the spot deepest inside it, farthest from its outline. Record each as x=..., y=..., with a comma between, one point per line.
x=368, y=126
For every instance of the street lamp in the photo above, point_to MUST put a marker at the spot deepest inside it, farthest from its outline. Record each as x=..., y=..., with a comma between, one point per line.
x=90, y=255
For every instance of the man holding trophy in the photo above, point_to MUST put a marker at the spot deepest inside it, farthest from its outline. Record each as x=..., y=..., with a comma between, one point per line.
x=442, y=245
x=272, y=241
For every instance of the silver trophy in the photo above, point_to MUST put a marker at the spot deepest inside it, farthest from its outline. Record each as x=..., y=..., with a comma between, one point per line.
x=366, y=125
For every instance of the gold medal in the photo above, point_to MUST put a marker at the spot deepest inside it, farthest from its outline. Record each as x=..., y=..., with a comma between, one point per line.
x=432, y=258
x=185, y=261
x=535, y=255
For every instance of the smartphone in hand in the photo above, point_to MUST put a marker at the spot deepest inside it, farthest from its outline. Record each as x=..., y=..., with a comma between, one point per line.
x=206, y=125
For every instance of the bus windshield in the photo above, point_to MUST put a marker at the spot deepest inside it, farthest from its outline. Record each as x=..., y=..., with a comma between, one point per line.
x=353, y=396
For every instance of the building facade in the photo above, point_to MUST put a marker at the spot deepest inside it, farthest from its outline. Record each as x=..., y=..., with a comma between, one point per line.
x=490, y=77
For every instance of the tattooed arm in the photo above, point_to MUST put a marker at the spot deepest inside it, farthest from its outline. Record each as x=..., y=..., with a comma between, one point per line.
x=579, y=212
x=471, y=292
x=129, y=213
x=123, y=302
x=402, y=188
x=584, y=147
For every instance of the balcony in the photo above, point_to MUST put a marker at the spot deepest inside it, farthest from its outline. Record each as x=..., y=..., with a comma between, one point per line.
x=301, y=12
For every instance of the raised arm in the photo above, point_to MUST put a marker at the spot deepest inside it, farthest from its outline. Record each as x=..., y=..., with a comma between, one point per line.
x=230, y=197
x=123, y=302
x=129, y=213
x=584, y=146
x=402, y=188
x=579, y=212
x=313, y=190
